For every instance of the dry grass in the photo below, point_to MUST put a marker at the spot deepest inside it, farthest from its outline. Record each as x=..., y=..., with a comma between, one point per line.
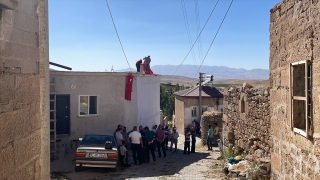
x=193, y=81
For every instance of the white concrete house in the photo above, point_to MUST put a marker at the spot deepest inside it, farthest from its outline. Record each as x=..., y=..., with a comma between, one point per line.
x=187, y=104
x=95, y=101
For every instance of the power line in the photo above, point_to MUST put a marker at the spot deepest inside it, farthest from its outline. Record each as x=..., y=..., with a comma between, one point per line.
x=118, y=35
x=215, y=36
x=198, y=28
x=196, y=39
x=186, y=22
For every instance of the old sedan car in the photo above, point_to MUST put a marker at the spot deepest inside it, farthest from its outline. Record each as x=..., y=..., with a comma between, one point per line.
x=97, y=150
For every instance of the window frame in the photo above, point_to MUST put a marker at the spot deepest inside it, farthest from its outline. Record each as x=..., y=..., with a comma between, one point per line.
x=204, y=108
x=307, y=97
x=194, y=112
x=79, y=105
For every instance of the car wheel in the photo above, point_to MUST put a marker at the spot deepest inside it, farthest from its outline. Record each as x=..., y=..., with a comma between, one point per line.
x=77, y=168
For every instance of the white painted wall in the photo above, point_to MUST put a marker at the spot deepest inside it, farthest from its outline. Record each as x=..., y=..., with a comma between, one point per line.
x=188, y=115
x=148, y=100
x=112, y=107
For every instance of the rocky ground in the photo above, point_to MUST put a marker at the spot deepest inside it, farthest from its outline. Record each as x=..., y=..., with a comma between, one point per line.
x=197, y=166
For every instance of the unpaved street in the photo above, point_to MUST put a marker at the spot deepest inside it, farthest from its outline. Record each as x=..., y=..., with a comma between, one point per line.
x=197, y=166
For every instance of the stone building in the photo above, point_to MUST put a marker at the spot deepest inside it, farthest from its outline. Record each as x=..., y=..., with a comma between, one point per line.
x=24, y=89
x=295, y=89
x=247, y=120
x=187, y=104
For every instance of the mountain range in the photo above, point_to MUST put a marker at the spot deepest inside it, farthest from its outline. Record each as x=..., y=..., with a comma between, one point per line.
x=219, y=72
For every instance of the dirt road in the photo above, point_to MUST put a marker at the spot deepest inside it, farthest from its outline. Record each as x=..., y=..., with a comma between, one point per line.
x=196, y=166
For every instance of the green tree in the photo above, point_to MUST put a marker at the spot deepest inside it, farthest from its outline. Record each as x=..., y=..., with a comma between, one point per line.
x=177, y=87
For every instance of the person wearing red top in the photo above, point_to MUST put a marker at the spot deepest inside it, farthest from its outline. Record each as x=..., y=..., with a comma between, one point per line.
x=160, y=141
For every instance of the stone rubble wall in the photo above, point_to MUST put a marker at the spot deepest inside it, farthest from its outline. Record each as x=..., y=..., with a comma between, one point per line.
x=247, y=121
x=208, y=118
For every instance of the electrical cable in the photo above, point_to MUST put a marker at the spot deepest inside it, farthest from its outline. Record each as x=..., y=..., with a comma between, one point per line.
x=186, y=22
x=198, y=28
x=195, y=40
x=215, y=37
x=118, y=35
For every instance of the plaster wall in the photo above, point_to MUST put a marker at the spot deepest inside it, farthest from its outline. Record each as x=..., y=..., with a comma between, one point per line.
x=184, y=105
x=148, y=100
x=294, y=36
x=113, y=109
x=24, y=80
x=179, y=114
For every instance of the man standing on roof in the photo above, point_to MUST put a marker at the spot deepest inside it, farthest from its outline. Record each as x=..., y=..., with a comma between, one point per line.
x=147, y=61
x=138, y=63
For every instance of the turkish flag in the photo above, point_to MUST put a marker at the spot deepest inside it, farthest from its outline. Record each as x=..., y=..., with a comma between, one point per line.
x=129, y=87
x=144, y=68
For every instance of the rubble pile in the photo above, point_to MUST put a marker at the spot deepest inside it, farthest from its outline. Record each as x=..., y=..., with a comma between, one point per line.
x=249, y=170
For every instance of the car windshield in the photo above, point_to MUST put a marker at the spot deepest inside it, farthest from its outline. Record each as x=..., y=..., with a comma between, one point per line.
x=97, y=140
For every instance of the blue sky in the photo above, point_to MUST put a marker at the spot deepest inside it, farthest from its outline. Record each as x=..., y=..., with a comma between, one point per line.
x=82, y=35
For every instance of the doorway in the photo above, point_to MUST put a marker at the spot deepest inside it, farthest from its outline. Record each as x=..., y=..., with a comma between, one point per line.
x=63, y=114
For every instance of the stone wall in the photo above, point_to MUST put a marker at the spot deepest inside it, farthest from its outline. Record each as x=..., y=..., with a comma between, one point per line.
x=247, y=120
x=24, y=81
x=294, y=36
x=209, y=118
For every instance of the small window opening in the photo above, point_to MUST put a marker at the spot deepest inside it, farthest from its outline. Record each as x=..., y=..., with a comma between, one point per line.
x=194, y=112
x=242, y=106
x=301, y=101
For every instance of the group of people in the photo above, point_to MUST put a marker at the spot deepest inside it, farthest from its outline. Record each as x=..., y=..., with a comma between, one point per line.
x=213, y=134
x=143, y=142
x=145, y=63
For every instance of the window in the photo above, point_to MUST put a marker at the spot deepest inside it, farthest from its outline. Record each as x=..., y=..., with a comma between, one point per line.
x=301, y=101
x=242, y=106
x=88, y=105
x=194, y=112
x=204, y=109
x=97, y=140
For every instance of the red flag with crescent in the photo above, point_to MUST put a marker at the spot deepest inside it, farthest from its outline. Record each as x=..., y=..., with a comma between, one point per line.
x=129, y=87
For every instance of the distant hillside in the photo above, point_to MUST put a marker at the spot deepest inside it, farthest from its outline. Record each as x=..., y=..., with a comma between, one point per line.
x=219, y=72
x=217, y=83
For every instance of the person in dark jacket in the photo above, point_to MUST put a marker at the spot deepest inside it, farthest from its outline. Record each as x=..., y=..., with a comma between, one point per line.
x=166, y=140
x=187, y=141
x=144, y=140
x=193, y=140
x=138, y=63
x=150, y=137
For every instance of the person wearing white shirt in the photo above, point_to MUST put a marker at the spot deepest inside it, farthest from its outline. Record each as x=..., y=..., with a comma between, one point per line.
x=136, y=145
x=174, y=139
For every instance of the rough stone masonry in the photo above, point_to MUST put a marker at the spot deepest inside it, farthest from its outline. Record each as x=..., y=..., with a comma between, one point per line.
x=295, y=37
x=247, y=120
x=24, y=82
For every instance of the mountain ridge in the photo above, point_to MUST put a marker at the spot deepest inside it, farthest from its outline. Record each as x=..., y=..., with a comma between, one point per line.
x=219, y=72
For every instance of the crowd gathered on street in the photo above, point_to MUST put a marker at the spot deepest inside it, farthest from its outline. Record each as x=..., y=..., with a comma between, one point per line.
x=145, y=142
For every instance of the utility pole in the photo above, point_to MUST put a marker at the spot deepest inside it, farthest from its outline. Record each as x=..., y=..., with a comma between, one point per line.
x=200, y=90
